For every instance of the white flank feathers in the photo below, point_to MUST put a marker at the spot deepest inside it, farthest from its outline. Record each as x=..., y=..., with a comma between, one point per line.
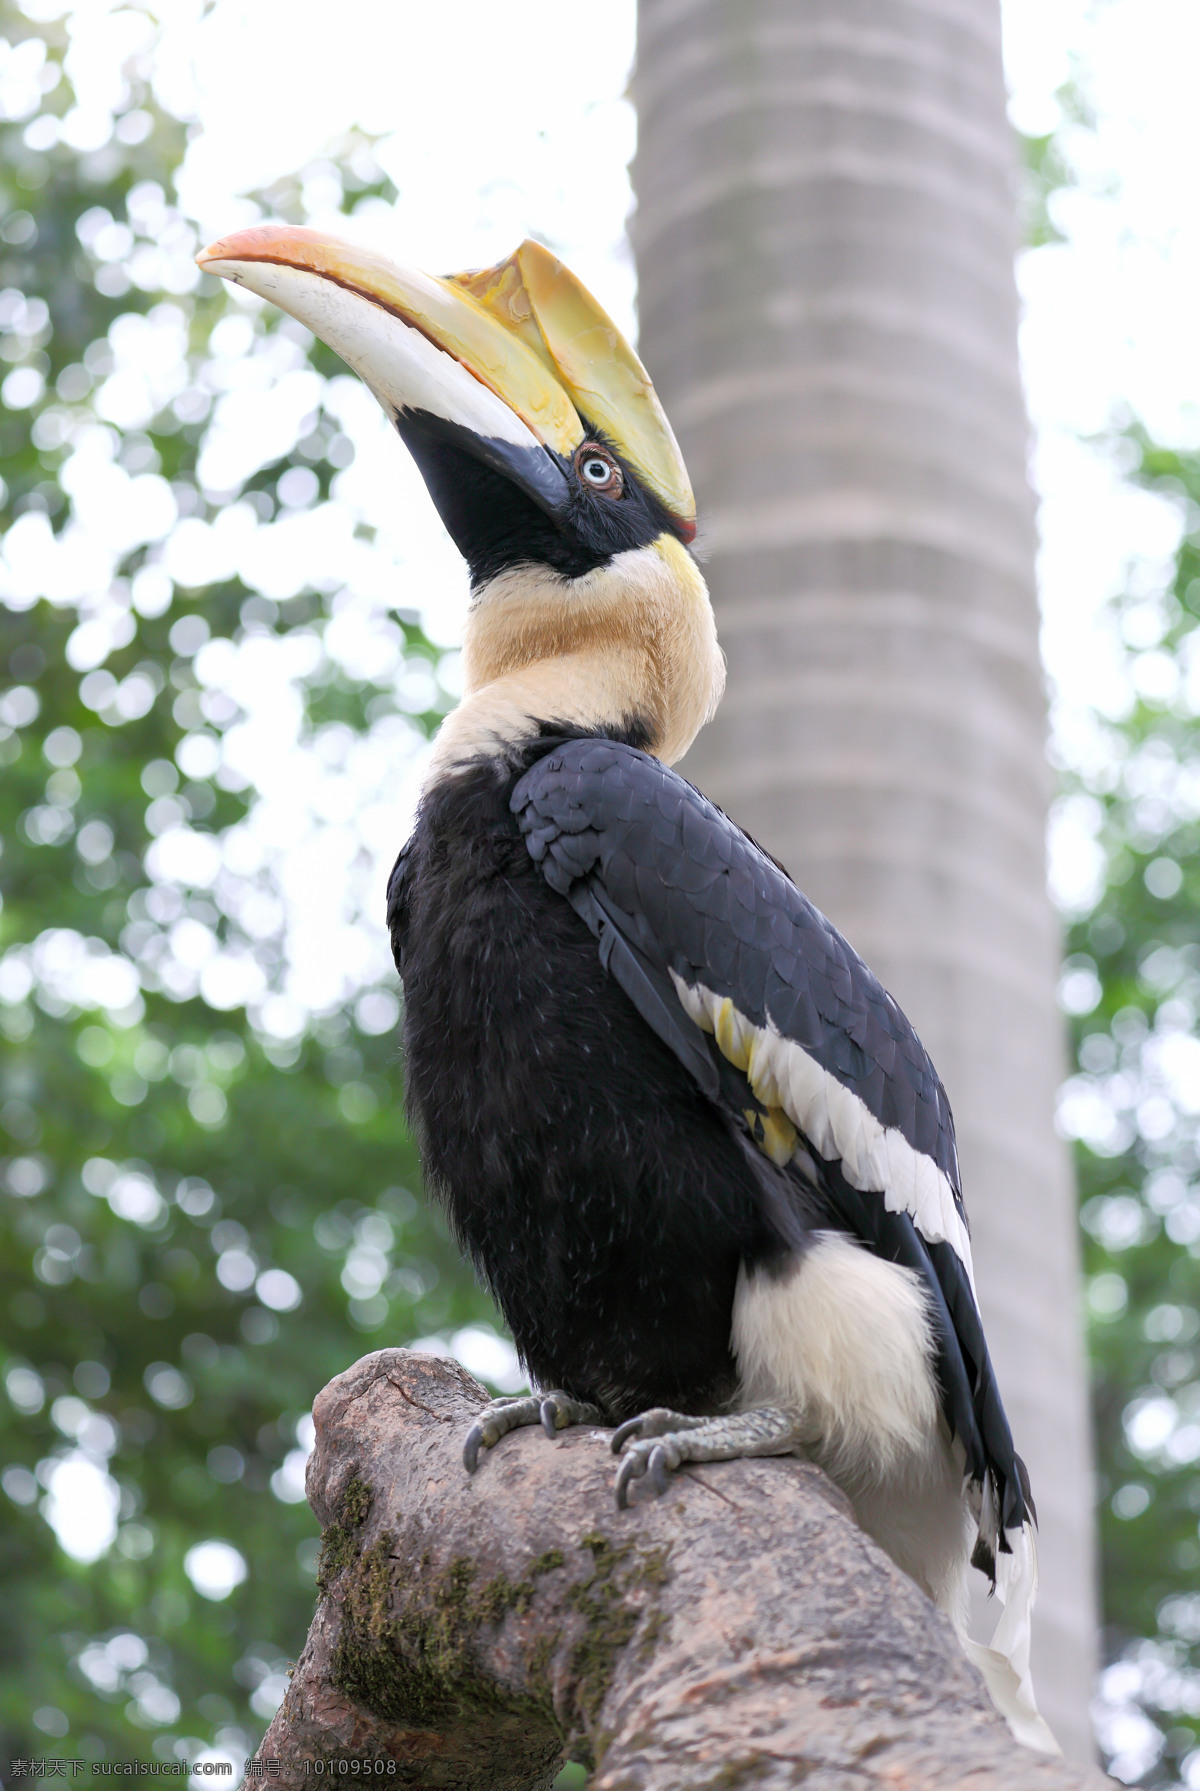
x=865, y=1393
x=866, y=1399
x=875, y=1158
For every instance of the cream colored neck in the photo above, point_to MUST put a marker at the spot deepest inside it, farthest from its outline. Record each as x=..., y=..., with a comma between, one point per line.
x=633, y=641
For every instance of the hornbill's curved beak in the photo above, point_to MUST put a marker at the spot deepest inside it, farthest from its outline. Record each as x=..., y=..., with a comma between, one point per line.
x=516, y=365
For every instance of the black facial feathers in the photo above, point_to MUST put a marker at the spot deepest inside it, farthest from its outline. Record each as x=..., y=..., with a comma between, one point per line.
x=496, y=524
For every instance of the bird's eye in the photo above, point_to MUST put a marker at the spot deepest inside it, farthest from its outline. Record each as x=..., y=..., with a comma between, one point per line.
x=597, y=470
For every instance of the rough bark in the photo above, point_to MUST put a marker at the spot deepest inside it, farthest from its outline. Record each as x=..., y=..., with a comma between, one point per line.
x=739, y=1632
x=824, y=238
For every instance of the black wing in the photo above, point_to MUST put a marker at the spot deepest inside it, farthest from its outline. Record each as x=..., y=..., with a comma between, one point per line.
x=708, y=936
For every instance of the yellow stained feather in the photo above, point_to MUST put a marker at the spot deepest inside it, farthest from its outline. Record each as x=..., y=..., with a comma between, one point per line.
x=729, y=1033
x=779, y=1136
x=773, y=1132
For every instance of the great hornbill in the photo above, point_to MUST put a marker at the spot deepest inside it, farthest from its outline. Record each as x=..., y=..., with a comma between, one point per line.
x=695, y=1150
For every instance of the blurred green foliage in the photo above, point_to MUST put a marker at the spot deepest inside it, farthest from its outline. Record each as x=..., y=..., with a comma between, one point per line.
x=1132, y=977
x=166, y=1168
x=200, y=1225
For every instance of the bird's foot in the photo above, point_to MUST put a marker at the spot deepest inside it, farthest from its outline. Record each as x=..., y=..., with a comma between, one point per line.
x=665, y=1440
x=553, y=1411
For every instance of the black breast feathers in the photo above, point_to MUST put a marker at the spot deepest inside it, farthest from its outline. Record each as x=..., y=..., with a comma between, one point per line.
x=628, y=1031
x=603, y=1198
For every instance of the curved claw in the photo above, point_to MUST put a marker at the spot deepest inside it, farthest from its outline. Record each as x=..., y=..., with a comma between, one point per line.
x=623, y=1432
x=632, y=1468
x=655, y=1422
x=659, y=1469
x=494, y=1422
x=559, y=1411
x=553, y=1411
x=655, y=1462
x=666, y=1439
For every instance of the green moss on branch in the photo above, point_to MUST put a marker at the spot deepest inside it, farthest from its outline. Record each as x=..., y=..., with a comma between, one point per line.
x=414, y=1641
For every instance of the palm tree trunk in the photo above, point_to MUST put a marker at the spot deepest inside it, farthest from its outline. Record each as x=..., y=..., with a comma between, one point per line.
x=825, y=235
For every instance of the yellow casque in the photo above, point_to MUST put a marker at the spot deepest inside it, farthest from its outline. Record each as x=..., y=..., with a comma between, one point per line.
x=526, y=328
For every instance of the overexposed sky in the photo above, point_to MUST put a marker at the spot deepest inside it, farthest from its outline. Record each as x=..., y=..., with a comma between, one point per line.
x=490, y=128
x=1109, y=329
x=531, y=130
x=488, y=131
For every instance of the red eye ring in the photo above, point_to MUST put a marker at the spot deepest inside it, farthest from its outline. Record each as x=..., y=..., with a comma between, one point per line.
x=598, y=470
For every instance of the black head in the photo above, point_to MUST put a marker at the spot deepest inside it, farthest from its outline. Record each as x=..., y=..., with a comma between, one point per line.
x=595, y=506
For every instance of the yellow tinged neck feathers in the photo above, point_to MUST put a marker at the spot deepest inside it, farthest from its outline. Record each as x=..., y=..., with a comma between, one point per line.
x=634, y=639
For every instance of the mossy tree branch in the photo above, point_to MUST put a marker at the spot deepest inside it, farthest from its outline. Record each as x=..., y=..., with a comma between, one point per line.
x=741, y=1631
